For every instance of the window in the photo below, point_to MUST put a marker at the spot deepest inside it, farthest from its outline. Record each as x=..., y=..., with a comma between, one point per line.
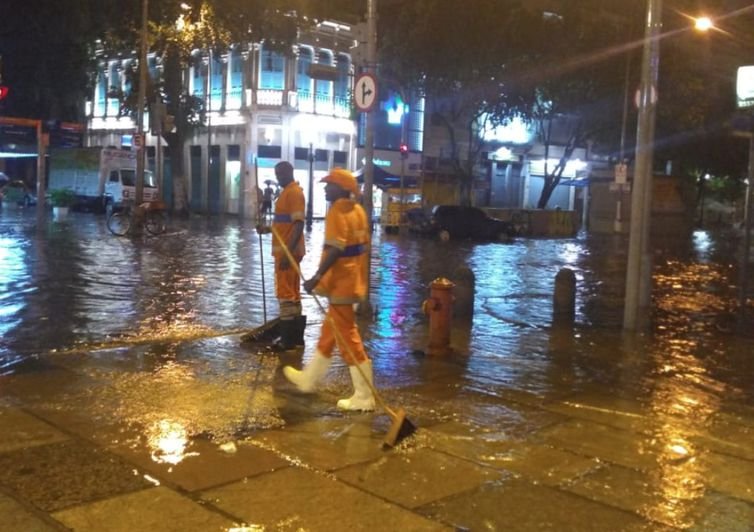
x=271, y=70
x=342, y=83
x=321, y=155
x=340, y=157
x=114, y=176
x=301, y=154
x=303, y=79
x=324, y=87
x=270, y=152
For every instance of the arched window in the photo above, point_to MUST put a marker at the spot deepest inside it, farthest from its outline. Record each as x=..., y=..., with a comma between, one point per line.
x=235, y=93
x=323, y=87
x=271, y=69
x=197, y=76
x=303, y=79
x=343, y=81
x=216, y=80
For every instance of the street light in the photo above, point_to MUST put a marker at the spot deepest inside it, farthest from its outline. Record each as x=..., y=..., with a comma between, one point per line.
x=703, y=24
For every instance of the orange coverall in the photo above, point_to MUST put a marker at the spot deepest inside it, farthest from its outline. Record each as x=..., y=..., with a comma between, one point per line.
x=345, y=283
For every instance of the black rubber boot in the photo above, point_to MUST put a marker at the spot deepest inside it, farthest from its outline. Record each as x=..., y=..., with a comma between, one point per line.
x=298, y=338
x=287, y=338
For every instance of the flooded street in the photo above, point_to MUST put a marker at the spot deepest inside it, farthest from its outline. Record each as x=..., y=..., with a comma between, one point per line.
x=129, y=348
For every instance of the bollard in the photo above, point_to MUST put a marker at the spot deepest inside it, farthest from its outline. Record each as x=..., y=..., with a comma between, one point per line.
x=564, y=299
x=463, y=302
x=439, y=308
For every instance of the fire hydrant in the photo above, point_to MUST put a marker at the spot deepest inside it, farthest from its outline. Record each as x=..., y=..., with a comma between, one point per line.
x=439, y=308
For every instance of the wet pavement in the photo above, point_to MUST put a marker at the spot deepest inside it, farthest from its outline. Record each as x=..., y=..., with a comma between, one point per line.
x=127, y=403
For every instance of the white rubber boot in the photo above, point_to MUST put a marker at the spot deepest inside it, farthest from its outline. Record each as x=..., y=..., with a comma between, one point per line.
x=306, y=380
x=362, y=398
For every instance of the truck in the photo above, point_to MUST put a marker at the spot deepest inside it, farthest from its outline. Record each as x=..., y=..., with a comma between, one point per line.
x=103, y=179
x=396, y=203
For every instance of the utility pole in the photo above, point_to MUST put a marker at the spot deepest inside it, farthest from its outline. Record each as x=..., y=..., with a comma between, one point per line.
x=142, y=94
x=310, y=190
x=639, y=266
x=371, y=68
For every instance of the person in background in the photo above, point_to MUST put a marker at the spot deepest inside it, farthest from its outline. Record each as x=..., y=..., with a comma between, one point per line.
x=267, y=196
x=342, y=278
x=288, y=221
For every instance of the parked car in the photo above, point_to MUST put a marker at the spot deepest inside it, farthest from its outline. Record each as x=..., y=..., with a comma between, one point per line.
x=458, y=221
x=17, y=192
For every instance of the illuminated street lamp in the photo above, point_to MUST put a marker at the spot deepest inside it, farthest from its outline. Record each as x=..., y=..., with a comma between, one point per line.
x=703, y=24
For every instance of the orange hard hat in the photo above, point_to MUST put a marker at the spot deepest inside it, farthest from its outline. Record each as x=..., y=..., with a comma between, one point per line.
x=343, y=178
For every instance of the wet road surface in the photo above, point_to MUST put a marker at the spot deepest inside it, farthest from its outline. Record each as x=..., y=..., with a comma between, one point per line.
x=126, y=402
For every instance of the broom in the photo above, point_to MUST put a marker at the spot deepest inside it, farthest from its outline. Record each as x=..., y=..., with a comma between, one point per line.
x=401, y=427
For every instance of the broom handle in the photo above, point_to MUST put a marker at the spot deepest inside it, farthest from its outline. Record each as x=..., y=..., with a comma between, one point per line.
x=339, y=337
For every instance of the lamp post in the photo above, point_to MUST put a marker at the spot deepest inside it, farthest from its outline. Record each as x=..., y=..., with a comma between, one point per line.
x=310, y=189
x=639, y=267
x=141, y=96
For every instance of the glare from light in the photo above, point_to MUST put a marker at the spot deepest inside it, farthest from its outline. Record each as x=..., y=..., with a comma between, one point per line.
x=703, y=24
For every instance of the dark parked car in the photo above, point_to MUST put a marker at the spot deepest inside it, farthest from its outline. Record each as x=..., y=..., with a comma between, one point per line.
x=457, y=221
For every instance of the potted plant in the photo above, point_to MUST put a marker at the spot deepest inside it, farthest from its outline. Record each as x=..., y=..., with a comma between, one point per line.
x=62, y=199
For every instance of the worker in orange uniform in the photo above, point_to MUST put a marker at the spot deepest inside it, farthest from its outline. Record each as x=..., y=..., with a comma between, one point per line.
x=288, y=221
x=342, y=278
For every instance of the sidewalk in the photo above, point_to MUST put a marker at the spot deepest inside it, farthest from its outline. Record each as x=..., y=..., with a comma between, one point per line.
x=157, y=438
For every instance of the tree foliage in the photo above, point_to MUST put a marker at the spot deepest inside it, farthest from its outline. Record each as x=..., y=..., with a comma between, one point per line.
x=177, y=29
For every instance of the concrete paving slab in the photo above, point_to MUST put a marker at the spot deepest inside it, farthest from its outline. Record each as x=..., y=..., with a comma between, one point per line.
x=56, y=476
x=14, y=516
x=155, y=509
x=517, y=505
x=618, y=412
x=731, y=434
x=19, y=430
x=328, y=443
x=415, y=477
x=200, y=464
x=718, y=513
x=730, y=475
x=667, y=495
x=606, y=443
x=299, y=499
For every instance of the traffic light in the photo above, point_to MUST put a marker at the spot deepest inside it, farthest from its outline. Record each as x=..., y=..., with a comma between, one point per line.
x=404, y=150
x=3, y=91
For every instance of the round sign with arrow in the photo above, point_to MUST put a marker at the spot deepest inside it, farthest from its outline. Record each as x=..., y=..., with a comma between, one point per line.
x=365, y=92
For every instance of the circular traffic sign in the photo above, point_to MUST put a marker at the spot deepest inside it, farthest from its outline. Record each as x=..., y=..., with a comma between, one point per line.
x=365, y=92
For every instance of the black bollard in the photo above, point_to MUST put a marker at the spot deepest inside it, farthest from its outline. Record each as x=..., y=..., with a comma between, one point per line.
x=564, y=299
x=464, y=291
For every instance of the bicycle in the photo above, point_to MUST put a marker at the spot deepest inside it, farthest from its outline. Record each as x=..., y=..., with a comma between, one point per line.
x=154, y=219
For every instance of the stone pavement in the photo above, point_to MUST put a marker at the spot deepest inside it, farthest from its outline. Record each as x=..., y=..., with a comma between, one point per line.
x=75, y=456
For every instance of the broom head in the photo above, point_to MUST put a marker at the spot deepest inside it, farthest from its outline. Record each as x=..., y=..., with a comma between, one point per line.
x=400, y=429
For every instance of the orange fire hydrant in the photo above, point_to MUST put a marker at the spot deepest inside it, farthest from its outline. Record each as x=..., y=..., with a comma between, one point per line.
x=439, y=308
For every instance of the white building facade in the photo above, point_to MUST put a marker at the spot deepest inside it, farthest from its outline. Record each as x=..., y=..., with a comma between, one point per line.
x=263, y=107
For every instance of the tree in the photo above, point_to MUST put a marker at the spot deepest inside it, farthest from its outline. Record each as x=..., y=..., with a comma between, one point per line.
x=456, y=53
x=481, y=63
x=177, y=28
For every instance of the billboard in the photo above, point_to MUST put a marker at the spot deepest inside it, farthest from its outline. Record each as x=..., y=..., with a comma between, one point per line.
x=745, y=86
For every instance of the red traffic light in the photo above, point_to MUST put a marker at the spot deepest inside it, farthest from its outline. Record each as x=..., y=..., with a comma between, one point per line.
x=404, y=149
x=3, y=91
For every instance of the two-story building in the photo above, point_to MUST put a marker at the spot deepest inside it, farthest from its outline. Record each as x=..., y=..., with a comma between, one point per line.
x=263, y=106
